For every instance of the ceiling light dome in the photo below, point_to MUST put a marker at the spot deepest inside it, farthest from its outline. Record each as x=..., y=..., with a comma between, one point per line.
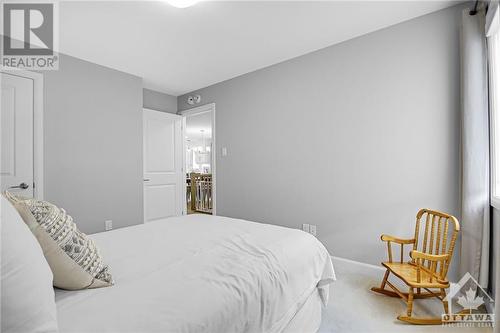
x=182, y=3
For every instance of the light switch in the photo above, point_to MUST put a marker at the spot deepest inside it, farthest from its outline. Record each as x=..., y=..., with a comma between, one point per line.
x=224, y=151
x=108, y=225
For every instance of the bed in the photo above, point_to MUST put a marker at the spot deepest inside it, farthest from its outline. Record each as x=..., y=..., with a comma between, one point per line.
x=203, y=273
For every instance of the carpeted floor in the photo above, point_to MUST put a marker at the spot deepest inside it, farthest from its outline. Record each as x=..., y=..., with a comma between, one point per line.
x=354, y=308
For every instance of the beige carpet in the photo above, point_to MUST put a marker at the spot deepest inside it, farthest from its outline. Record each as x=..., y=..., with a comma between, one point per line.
x=354, y=308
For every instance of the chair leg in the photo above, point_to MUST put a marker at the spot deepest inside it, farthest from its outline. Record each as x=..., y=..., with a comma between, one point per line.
x=382, y=290
x=445, y=303
x=410, y=302
x=384, y=281
x=419, y=321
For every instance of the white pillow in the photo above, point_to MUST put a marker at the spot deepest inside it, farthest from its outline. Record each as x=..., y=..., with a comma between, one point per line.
x=72, y=256
x=27, y=294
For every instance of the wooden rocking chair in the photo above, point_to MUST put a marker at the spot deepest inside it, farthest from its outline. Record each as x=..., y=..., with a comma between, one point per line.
x=428, y=266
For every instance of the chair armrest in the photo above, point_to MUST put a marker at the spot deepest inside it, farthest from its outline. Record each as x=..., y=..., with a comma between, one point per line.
x=391, y=239
x=431, y=257
x=388, y=238
x=434, y=260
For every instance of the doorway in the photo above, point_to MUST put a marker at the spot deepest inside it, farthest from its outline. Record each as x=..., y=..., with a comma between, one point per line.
x=199, y=161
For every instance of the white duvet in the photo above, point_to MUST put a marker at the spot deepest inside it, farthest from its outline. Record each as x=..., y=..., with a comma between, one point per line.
x=200, y=273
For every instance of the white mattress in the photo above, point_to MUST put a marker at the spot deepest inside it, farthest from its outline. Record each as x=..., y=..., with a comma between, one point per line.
x=200, y=273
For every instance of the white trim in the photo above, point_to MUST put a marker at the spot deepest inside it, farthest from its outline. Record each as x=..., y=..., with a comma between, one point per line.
x=38, y=191
x=495, y=202
x=195, y=111
x=492, y=18
x=358, y=263
x=198, y=110
x=183, y=133
x=493, y=105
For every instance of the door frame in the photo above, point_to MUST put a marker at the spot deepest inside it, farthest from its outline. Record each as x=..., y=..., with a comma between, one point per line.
x=182, y=190
x=38, y=190
x=192, y=112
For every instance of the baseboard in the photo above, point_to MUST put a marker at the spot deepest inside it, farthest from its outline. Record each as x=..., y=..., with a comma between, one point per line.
x=358, y=263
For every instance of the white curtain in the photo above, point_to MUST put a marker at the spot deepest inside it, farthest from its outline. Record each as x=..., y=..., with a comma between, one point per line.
x=475, y=201
x=492, y=28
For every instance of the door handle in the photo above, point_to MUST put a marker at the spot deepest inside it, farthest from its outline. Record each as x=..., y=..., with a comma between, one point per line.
x=22, y=186
x=147, y=180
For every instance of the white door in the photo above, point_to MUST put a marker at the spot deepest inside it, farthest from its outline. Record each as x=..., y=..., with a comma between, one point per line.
x=17, y=134
x=163, y=175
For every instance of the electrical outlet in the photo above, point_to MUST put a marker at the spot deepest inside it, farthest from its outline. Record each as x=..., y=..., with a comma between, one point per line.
x=108, y=225
x=305, y=227
x=312, y=229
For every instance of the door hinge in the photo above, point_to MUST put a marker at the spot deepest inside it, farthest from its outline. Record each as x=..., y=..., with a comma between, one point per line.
x=33, y=185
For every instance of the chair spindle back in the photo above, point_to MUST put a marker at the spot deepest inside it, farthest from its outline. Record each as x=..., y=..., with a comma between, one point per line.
x=436, y=234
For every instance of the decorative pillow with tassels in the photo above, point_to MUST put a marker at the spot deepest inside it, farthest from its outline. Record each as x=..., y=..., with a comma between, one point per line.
x=73, y=257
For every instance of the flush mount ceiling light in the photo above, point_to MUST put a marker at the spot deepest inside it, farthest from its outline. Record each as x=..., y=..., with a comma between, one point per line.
x=182, y=3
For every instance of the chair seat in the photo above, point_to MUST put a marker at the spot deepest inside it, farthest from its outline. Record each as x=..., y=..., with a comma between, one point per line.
x=408, y=273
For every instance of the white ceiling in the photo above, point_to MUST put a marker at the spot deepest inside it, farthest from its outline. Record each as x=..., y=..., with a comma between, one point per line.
x=180, y=50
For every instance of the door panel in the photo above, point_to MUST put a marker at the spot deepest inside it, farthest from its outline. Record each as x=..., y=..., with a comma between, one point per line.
x=163, y=175
x=16, y=137
x=160, y=137
x=160, y=201
x=8, y=130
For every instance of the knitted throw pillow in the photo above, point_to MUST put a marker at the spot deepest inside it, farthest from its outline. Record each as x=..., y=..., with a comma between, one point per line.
x=73, y=257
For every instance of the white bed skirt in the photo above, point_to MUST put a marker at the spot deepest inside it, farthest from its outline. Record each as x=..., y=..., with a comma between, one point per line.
x=308, y=318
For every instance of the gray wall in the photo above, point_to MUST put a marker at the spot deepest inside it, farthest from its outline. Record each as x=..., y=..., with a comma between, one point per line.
x=354, y=138
x=93, y=144
x=159, y=101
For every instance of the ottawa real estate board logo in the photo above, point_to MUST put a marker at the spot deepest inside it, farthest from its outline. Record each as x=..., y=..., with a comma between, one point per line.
x=29, y=36
x=469, y=305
